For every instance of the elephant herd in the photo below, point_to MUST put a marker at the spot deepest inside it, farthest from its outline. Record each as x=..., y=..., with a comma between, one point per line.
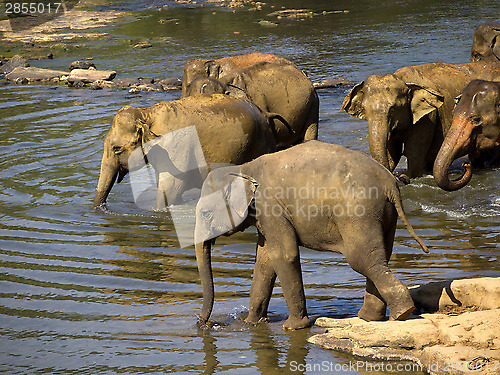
x=260, y=112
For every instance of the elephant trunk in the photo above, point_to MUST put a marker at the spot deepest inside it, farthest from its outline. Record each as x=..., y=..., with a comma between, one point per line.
x=378, y=140
x=107, y=178
x=203, y=260
x=456, y=142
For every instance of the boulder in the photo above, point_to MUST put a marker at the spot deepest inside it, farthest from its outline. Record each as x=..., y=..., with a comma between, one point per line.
x=35, y=74
x=482, y=294
x=440, y=343
x=91, y=75
x=81, y=65
x=15, y=62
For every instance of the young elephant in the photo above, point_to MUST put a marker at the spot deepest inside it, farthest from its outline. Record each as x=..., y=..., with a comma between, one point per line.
x=475, y=130
x=204, y=68
x=409, y=112
x=282, y=89
x=318, y=195
x=230, y=130
x=486, y=43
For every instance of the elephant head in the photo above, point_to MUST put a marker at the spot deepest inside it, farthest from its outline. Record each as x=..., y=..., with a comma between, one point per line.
x=225, y=207
x=391, y=106
x=129, y=130
x=486, y=43
x=475, y=127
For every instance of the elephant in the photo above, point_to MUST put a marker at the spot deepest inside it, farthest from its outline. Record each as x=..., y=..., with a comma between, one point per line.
x=230, y=130
x=282, y=89
x=409, y=112
x=318, y=195
x=204, y=68
x=475, y=126
x=486, y=43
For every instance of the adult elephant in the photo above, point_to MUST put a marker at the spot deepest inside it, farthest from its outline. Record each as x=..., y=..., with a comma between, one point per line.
x=204, y=68
x=318, y=195
x=282, y=89
x=227, y=129
x=409, y=112
x=475, y=130
x=486, y=43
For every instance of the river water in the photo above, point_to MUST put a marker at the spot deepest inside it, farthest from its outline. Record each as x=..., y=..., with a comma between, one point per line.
x=82, y=291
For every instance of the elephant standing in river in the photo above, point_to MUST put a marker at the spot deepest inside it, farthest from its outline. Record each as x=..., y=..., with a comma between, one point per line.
x=486, y=43
x=230, y=130
x=475, y=130
x=409, y=112
x=281, y=89
x=204, y=68
x=318, y=195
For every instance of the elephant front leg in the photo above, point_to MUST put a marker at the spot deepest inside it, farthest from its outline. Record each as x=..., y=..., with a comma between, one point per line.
x=263, y=281
x=284, y=256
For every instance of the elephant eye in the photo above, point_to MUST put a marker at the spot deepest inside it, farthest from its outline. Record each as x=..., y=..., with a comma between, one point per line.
x=117, y=150
x=476, y=120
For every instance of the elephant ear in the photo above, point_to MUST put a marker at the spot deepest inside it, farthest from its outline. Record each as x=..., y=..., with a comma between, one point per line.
x=225, y=198
x=424, y=101
x=495, y=44
x=353, y=102
x=236, y=86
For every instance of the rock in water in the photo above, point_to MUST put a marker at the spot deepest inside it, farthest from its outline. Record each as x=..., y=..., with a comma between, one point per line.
x=91, y=75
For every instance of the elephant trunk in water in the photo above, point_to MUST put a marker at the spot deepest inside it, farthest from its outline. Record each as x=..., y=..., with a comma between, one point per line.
x=378, y=141
x=107, y=177
x=204, y=262
x=456, y=142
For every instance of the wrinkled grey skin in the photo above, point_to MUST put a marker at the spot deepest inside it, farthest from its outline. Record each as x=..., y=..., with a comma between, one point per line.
x=409, y=112
x=281, y=210
x=486, y=43
x=230, y=130
x=475, y=131
x=277, y=88
x=204, y=68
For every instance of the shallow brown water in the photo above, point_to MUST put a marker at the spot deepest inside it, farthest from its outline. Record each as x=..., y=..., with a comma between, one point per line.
x=84, y=291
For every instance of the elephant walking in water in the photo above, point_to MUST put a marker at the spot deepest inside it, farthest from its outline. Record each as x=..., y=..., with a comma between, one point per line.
x=318, y=195
x=205, y=68
x=230, y=130
x=409, y=112
x=277, y=88
x=475, y=130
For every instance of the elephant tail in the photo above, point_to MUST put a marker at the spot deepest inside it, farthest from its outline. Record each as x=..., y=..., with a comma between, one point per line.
x=395, y=199
x=271, y=116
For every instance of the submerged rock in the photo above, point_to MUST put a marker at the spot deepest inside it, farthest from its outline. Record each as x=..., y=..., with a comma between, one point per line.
x=440, y=343
x=332, y=82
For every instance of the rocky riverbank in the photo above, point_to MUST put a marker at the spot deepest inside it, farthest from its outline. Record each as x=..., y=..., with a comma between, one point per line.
x=84, y=74
x=460, y=334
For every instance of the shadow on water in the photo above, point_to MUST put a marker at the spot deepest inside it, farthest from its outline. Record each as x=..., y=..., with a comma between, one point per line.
x=83, y=291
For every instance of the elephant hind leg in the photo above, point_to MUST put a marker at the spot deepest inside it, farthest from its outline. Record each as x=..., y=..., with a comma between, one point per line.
x=369, y=256
x=374, y=307
x=263, y=280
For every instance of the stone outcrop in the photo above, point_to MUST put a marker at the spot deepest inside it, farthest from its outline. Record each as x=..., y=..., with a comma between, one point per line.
x=33, y=74
x=91, y=75
x=442, y=343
